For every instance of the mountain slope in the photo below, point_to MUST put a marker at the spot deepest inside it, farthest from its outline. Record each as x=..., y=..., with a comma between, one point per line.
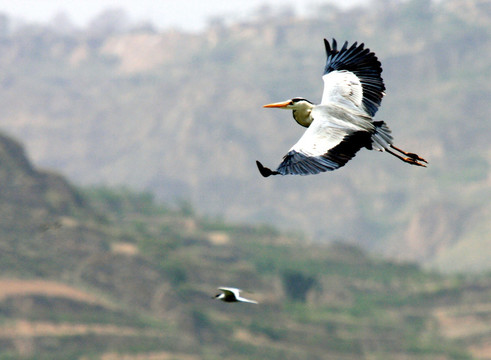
x=119, y=275
x=187, y=123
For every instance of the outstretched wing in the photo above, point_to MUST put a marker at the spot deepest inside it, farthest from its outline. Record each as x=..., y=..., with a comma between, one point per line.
x=352, y=76
x=230, y=291
x=307, y=161
x=329, y=143
x=242, y=299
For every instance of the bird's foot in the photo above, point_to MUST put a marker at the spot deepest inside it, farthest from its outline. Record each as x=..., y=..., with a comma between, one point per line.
x=416, y=157
x=414, y=161
x=411, y=158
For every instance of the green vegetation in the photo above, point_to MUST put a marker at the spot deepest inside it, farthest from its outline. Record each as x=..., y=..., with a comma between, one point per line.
x=186, y=121
x=347, y=304
x=97, y=272
x=147, y=272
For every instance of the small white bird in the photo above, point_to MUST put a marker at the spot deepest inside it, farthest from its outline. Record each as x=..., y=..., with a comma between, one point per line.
x=232, y=295
x=343, y=122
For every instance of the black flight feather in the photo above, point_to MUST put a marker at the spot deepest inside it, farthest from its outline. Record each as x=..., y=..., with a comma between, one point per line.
x=297, y=163
x=364, y=64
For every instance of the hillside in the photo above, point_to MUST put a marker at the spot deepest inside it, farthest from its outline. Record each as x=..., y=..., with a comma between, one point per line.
x=104, y=273
x=180, y=115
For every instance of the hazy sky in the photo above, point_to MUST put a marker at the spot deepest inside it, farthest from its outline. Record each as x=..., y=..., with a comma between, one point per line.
x=184, y=14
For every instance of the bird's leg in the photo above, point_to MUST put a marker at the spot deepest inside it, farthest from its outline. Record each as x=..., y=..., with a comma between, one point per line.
x=413, y=160
x=411, y=155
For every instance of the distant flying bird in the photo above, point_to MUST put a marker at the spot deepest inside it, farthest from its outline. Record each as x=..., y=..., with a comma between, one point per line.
x=232, y=295
x=343, y=122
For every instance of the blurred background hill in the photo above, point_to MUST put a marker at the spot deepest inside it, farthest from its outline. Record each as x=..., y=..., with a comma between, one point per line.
x=179, y=114
x=108, y=273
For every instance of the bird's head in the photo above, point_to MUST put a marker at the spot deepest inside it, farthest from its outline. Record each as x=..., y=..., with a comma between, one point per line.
x=292, y=104
x=219, y=296
x=301, y=109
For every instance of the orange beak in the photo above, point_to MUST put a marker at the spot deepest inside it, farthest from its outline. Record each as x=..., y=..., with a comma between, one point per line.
x=278, y=105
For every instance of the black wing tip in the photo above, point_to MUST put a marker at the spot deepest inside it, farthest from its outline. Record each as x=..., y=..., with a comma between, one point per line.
x=331, y=50
x=265, y=172
x=327, y=46
x=363, y=63
x=354, y=49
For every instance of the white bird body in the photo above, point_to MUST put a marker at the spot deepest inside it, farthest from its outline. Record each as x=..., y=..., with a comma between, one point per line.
x=232, y=295
x=343, y=122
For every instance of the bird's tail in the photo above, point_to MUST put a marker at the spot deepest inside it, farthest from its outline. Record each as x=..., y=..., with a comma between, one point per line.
x=381, y=138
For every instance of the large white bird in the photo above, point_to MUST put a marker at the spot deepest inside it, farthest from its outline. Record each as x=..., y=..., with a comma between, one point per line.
x=232, y=295
x=343, y=122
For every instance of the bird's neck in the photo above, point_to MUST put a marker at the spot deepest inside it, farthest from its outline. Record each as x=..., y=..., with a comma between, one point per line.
x=302, y=116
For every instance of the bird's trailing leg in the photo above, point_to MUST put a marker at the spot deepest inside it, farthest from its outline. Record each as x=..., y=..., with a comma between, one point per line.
x=412, y=158
x=265, y=171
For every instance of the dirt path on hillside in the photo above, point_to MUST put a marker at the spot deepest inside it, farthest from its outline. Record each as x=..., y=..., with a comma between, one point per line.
x=14, y=287
x=24, y=328
x=162, y=355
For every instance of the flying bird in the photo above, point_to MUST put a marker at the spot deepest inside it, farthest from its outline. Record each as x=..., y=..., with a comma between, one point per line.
x=343, y=122
x=232, y=295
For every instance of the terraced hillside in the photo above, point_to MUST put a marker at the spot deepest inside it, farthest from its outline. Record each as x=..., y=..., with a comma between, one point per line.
x=112, y=274
x=180, y=115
